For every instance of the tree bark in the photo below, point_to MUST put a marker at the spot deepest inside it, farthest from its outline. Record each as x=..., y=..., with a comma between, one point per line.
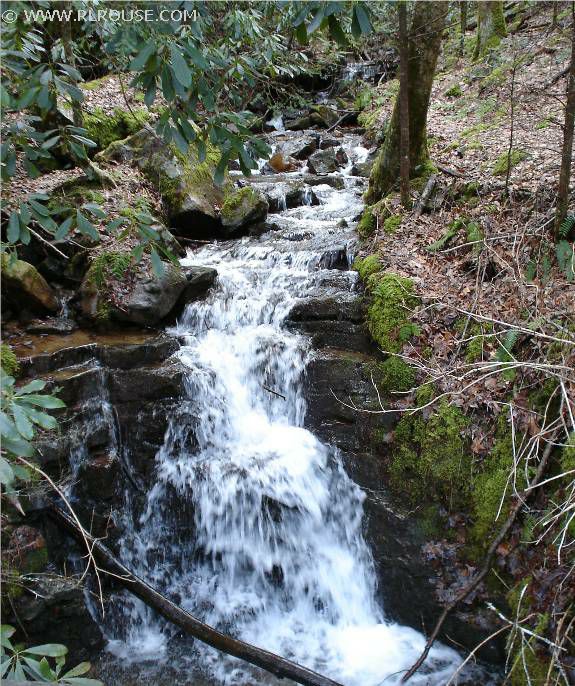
x=272, y=663
x=424, y=45
x=403, y=103
x=462, y=26
x=490, y=26
x=567, y=150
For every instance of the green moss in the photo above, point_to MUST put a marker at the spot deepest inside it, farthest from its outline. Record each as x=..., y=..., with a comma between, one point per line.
x=506, y=161
x=105, y=128
x=474, y=235
x=234, y=200
x=391, y=224
x=388, y=315
x=394, y=375
x=454, y=92
x=367, y=266
x=431, y=461
x=491, y=489
x=367, y=223
x=8, y=360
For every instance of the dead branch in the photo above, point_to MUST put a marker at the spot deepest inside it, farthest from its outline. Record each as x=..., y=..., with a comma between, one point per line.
x=279, y=666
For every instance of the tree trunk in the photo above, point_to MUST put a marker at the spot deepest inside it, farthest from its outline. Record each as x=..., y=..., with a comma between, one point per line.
x=567, y=150
x=490, y=26
x=462, y=26
x=426, y=31
x=272, y=663
x=403, y=103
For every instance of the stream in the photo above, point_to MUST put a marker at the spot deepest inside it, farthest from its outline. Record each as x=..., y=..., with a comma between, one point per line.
x=252, y=523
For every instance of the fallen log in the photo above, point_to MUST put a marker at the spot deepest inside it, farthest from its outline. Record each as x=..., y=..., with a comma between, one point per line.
x=279, y=666
x=427, y=191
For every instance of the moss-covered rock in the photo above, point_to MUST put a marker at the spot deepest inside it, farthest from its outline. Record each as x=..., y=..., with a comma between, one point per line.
x=106, y=127
x=392, y=223
x=430, y=460
x=243, y=208
x=186, y=184
x=24, y=287
x=115, y=288
x=388, y=316
x=367, y=266
x=367, y=223
x=8, y=360
x=394, y=376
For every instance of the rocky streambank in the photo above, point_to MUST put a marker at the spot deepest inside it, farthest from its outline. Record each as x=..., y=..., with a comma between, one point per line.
x=123, y=387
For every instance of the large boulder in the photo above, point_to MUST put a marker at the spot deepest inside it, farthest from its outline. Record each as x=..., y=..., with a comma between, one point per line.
x=187, y=186
x=24, y=287
x=242, y=209
x=124, y=292
x=327, y=161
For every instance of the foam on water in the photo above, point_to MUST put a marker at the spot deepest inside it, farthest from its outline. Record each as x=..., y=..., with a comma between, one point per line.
x=252, y=523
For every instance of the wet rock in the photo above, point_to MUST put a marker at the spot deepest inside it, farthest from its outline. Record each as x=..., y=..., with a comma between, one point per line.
x=279, y=163
x=149, y=300
x=326, y=161
x=55, y=608
x=329, y=142
x=337, y=380
x=200, y=280
x=298, y=124
x=300, y=147
x=324, y=116
x=147, y=383
x=331, y=308
x=362, y=168
x=52, y=325
x=99, y=476
x=243, y=208
x=334, y=259
x=24, y=287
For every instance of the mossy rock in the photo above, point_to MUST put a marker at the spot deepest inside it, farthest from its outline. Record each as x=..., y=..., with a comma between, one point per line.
x=189, y=192
x=394, y=376
x=367, y=266
x=106, y=127
x=243, y=208
x=25, y=287
x=430, y=461
x=116, y=289
x=367, y=223
x=388, y=316
x=454, y=92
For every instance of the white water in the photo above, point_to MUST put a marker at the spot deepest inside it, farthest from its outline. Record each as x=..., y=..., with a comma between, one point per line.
x=253, y=525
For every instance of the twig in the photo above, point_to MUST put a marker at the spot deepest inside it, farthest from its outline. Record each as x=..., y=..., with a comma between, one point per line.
x=41, y=238
x=269, y=390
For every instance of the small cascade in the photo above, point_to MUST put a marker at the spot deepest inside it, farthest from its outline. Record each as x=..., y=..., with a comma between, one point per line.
x=252, y=524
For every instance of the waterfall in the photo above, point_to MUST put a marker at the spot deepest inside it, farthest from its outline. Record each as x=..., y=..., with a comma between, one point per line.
x=252, y=523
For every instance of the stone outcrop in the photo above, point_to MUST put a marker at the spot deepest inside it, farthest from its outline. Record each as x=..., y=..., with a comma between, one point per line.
x=24, y=287
x=242, y=209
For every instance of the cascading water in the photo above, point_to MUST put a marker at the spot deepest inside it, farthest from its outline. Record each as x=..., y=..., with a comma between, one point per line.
x=252, y=523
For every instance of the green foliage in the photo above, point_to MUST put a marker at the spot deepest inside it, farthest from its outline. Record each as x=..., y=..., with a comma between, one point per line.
x=564, y=251
x=430, y=461
x=21, y=411
x=8, y=360
x=20, y=664
x=567, y=226
x=454, y=92
x=394, y=375
x=104, y=128
x=109, y=264
x=388, y=322
x=505, y=161
x=452, y=230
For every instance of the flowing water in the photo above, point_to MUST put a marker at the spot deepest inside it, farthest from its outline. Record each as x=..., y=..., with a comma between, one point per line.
x=252, y=523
